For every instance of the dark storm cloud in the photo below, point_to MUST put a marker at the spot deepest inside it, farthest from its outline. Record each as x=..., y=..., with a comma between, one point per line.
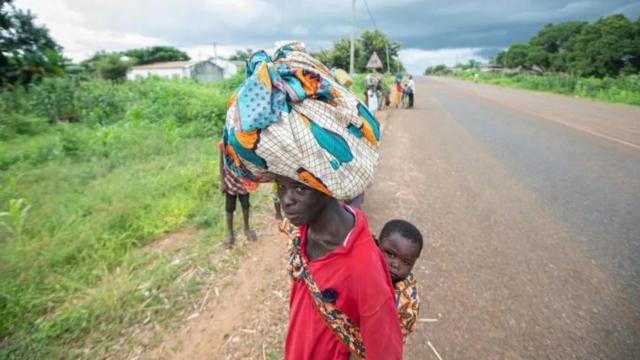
x=432, y=24
x=478, y=27
x=493, y=23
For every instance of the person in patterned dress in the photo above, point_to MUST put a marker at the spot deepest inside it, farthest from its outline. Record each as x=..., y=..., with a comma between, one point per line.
x=235, y=189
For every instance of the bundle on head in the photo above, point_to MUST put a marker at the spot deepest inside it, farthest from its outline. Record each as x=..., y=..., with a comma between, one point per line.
x=291, y=117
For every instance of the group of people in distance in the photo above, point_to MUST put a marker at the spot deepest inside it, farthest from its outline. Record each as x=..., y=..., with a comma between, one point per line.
x=378, y=97
x=291, y=123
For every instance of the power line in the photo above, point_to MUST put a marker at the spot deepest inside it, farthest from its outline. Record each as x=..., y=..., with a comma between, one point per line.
x=386, y=43
x=370, y=16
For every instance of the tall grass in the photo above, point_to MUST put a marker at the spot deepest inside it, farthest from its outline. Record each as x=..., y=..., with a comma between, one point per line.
x=104, y=169
x=623, y=89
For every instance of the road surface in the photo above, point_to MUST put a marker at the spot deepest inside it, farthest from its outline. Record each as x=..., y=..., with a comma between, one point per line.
x=530, y=207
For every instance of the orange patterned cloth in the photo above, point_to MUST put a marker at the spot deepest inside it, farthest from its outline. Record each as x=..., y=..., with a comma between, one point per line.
x=292, y=118
x=339, y=323
x=407, y=299
x=408, y=304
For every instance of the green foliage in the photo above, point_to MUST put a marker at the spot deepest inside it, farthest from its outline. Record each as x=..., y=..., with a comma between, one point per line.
x=140, y=161
x=437, y=70
x=622, y=89
x=15, y=217
x=108, y=66
x=554, y=42
x=155, y=54
x=359, y=85
x=241, y=55
x=525, y=55
x=340, y=54
x=100, y=102
x=607, y=47
x=326, y=57
x=471, y=64
x=374, y=41
x=27, y=52
x=114, y=65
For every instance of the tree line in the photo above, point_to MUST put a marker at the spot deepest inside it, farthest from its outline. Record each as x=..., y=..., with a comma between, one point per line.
x=609, y=46
x=29, y=53
x=339, y=55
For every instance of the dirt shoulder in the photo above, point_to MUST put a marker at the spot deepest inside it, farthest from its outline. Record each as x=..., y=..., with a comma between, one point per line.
x=243, y=309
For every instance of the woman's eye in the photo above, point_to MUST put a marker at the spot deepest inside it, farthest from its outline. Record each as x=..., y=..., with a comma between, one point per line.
x=300, y=189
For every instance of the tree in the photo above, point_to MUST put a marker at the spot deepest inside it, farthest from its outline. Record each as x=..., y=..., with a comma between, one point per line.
x=376, y=40
x=110, y=66
x=471, y=64
x=324, y=56
x=553, y=38
x=241, y=55
x=606, y=47
x=499, y=59
x=155, y=54
x=437, y=70
x=27, y=52
x=523, y=55
x=537, y=56
x=555, y=42
x=516, y=55
x=340, y=54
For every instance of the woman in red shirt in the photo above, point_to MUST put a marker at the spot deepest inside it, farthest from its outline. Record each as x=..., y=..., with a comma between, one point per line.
x=293, y=123
x=349, y=272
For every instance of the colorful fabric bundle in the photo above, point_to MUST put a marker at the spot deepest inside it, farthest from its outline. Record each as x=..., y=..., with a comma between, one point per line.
x=408, y=304
x=291, y=117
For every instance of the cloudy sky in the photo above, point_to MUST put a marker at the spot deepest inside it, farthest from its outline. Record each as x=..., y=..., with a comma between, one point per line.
x=431, y=31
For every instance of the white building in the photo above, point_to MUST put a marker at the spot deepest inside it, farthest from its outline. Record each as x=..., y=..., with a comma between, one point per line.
x=230, y=68
x=204, y=71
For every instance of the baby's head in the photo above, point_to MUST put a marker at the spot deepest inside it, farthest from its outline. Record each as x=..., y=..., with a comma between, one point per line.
x=401, y=244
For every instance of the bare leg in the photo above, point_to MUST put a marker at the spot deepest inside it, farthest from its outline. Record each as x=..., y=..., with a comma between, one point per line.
x=278, y=211
x=250, y=234
x=230, y=239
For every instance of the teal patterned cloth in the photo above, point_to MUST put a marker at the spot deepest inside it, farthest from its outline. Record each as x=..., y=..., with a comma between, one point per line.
x=291, y=117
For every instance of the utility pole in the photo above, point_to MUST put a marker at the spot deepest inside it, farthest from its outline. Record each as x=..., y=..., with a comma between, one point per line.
x=353, y=35
x=215, y=53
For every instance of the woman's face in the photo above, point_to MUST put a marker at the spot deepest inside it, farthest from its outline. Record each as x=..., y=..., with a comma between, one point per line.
x=300, y=203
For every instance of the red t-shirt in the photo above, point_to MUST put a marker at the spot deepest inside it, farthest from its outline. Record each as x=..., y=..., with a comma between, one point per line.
x=356, y=270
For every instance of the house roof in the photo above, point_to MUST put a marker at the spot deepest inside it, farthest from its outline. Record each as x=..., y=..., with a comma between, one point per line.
x=166, y=65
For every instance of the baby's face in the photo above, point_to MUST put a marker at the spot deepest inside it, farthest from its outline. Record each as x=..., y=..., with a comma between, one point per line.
x=400, y=254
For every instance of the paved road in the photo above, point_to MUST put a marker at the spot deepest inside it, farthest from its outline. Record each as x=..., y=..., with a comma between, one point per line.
x=530, y=205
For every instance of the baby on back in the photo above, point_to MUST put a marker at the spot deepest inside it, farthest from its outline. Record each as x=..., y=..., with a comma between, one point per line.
x=401, y=244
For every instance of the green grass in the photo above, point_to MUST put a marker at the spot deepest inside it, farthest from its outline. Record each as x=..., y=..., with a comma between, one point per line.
x=623, y=89
x=142, y=164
